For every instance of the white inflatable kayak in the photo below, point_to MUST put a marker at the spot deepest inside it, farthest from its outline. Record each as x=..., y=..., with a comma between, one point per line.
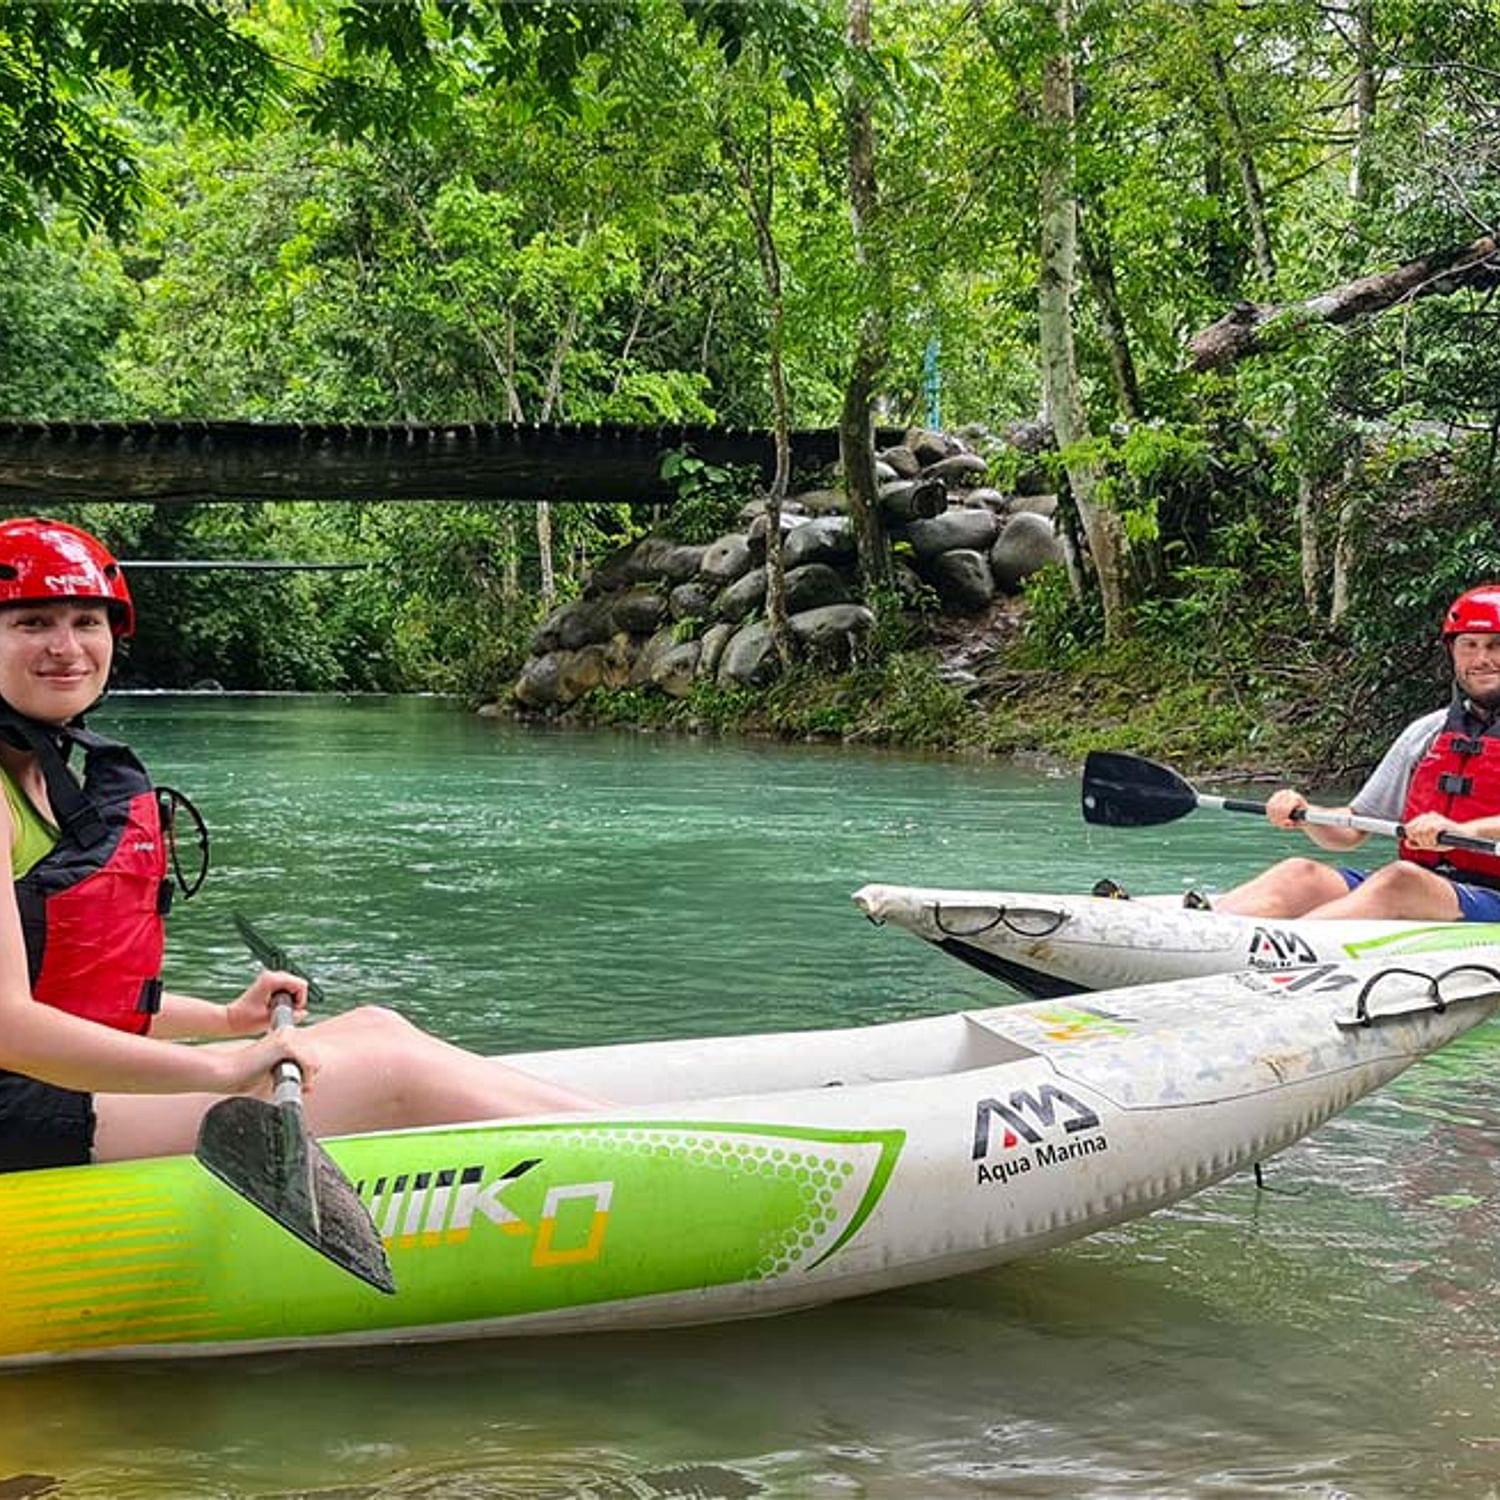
x=1048, y=946
x=737, y=1176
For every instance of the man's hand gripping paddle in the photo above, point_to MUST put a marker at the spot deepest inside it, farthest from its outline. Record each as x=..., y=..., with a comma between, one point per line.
x=1128, y=791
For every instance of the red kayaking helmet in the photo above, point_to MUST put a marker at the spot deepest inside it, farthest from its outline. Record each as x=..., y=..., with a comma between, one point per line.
x=44, y=560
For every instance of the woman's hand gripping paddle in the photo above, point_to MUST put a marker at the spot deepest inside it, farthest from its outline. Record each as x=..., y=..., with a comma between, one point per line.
x=264, y=1152
x=1127, y=791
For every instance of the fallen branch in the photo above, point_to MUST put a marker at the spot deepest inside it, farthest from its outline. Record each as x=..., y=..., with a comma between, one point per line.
x=1250, y=328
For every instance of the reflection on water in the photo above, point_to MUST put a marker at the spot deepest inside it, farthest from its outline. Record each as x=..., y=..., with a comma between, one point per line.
x=1334, y=1335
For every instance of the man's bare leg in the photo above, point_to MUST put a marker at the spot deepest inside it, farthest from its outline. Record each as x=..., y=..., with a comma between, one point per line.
x=1293, y=888
x=1402, y=890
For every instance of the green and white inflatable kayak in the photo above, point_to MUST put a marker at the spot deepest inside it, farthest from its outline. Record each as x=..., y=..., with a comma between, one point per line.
x=739, y=1176
x=1049, y=946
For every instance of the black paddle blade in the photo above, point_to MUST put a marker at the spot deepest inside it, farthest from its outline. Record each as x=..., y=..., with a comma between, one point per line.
x=264, y=1153
x=1125, y=791
x=273, y=956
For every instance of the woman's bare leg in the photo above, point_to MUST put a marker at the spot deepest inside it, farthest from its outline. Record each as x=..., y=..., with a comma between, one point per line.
x=128, y=1126
x=381, y=1073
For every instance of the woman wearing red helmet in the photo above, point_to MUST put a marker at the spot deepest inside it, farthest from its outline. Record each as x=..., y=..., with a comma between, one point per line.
x=88, y=1065
x=1441, y=775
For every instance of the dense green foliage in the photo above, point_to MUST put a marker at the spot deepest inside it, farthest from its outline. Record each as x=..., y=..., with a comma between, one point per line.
x=331, y=209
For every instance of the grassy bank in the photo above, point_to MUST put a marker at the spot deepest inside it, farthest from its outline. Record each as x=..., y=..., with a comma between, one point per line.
x=1267, y=716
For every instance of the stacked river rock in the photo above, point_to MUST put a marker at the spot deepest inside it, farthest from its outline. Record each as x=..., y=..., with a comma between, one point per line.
x=665, y=614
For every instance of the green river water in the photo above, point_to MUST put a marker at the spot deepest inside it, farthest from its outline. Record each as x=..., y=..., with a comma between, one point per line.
x=1336, y=1336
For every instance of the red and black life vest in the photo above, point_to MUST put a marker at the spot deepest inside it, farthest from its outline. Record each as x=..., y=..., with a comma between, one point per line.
x=93, y=909
x=1459, y=776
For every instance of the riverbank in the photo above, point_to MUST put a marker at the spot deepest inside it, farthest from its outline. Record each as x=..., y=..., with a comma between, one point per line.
x=978, y=689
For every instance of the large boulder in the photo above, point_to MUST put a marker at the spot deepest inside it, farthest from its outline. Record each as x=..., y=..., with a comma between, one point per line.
x=726, y=559
x=833, y=632
x=581, y=672
x=715, y=638
x=963, y=580
x=748, y=659
x=539, y=685
x=829, y=539
x=546, y=636
x=744, y=596
x=913, y=499
x=901, y=460
x=1027, y=544
x=646, y=561
x=580, y=622
x=960, y=471
x=638, y=611
x=822, y=502
x=1038, y=505
x=690, y=601
x=986, y=498
x=929, y=447
x=752, y=510
x=682, y=562
x=611, y=572
x=650, y=654
x=755, y=537
x=676, y=668
x=652, y=557
x=813, y=585
x=975, y=530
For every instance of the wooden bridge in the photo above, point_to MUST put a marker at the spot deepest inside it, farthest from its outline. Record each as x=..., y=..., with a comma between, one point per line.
x=181, y=461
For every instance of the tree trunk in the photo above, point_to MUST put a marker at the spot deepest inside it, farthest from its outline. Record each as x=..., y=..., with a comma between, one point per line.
x=514, y=411
x=1362, y=186
x=1307, y=532
x=1099, y=262
x=1064, y=398
x=1343, y=546
x=776, y=617
x=1220, y=263
x=544, y=552
x=550, y=398
x=856, y=411
x=510, y=572
x=622, y=360
x=1239, y=143
x=759, y=207
x=560, y=351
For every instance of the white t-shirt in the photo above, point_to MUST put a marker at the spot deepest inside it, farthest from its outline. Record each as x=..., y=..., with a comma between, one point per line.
x=1384, y=794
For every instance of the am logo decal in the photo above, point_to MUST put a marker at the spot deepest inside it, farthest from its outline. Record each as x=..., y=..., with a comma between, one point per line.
x=1037, y=1129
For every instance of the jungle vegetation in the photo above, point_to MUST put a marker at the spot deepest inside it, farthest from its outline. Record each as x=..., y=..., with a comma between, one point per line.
x=1240, y=256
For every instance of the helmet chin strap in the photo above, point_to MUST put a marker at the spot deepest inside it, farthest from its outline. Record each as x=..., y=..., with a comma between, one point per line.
x=60, y=734
x=1477, y=708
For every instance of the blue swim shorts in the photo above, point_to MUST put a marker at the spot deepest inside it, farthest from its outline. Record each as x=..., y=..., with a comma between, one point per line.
x=1476, y=903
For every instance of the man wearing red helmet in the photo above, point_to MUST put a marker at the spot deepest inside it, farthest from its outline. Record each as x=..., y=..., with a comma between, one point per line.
x=1442, y=775
x=88, y=1066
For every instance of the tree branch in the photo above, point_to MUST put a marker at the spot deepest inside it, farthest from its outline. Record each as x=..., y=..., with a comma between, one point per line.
x=1251, y=328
